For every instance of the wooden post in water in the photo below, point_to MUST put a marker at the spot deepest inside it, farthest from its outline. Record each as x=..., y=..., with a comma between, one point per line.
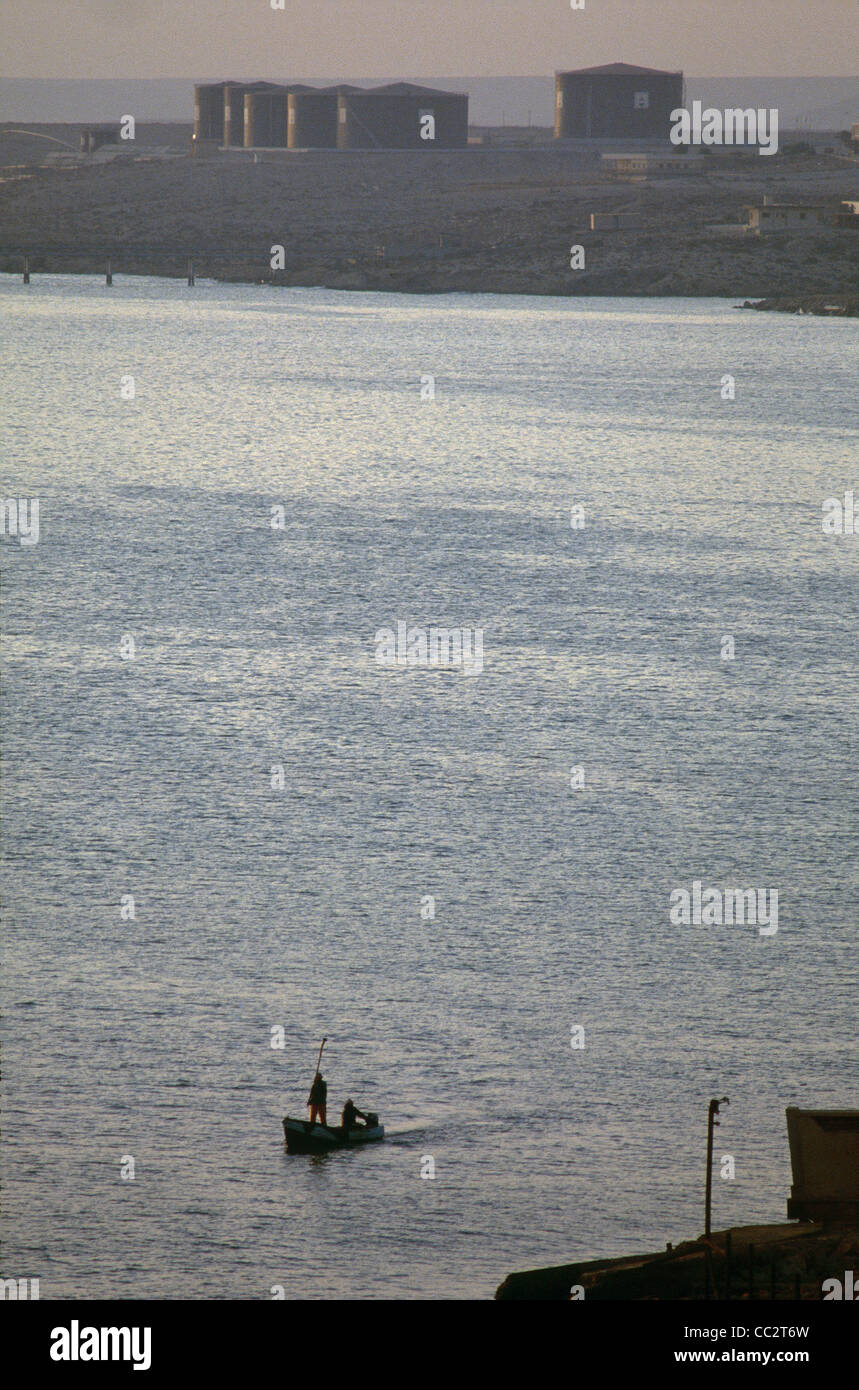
x=26, y=270
x=190, y=270
x=108, y=274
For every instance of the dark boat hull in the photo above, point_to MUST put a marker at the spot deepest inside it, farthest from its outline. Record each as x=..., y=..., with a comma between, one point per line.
x=304, y=1138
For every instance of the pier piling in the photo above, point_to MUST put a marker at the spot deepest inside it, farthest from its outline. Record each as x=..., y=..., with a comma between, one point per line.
x=26, y=270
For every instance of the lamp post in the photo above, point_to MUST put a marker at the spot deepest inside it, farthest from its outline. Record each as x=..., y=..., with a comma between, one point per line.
x=711, y=1122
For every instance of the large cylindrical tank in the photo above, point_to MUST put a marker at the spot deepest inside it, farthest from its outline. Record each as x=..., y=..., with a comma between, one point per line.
x=313, y=119
x=616, y=102
x=402, y=116
x=265, y=116
x=209, y=111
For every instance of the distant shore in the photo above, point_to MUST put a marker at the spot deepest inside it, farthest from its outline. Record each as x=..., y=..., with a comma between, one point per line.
x=483, y=220
x=845, y=306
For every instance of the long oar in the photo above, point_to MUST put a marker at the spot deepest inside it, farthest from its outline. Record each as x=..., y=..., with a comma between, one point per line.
x=319, y=1058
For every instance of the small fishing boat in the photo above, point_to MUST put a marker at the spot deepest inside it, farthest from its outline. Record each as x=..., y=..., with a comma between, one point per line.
x=311, y=1137
x=302, y=1137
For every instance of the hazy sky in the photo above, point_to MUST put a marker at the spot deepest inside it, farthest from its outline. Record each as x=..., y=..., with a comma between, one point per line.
x=390, y=38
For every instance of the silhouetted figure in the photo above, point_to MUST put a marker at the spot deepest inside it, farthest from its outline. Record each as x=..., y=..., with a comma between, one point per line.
x=317, y=1098
x=350, y=1114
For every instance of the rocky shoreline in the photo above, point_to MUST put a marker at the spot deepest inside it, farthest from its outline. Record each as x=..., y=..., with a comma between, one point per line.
x=834, y=305
x=483, y=220
x=784, y=1261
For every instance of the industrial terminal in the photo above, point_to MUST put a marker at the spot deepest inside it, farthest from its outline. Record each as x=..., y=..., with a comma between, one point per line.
x=590, y=197
x=271, y=115
x=618, y=101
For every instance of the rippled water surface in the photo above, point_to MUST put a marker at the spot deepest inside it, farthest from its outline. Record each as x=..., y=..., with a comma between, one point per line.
x=258, y=906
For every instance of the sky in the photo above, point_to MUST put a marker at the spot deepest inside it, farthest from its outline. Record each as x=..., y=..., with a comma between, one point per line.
x=392, y=38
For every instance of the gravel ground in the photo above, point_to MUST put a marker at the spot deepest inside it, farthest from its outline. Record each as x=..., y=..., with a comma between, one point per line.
x=482, y=219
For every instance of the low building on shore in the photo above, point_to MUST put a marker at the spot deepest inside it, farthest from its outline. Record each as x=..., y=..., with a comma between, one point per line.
x=770, y=216
x=645, y=163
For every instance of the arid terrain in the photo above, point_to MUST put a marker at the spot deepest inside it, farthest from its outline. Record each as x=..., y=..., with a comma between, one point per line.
x=489, y=218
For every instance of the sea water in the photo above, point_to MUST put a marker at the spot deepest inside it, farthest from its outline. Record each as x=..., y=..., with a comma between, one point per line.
x=230, y=828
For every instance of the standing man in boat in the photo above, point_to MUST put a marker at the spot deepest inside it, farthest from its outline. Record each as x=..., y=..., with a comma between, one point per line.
x=317, y=1099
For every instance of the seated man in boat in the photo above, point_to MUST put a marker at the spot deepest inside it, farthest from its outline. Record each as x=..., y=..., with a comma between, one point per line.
x=350, y=1114
x=317, y=1098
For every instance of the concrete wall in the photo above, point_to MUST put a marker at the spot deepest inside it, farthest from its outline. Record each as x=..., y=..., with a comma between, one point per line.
x=594, y=106
x=824, y=1156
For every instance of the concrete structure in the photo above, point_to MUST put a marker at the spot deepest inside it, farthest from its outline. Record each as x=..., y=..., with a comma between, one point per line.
x=785, y=217
x=848, y=215
x=402, y=116
x=616, y=102
x=824, y=1156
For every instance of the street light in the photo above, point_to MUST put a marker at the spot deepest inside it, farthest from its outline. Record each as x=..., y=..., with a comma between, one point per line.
x=711, y=1122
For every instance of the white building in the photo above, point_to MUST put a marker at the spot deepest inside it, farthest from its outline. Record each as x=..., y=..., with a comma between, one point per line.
x=785, y=217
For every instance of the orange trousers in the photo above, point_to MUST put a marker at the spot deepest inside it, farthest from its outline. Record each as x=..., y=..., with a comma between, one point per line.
x=317, y=1110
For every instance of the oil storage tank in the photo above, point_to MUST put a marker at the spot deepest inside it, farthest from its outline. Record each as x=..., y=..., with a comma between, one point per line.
x=402, y=116
x=312, y=116
x=234, y=109
x=209, y=111
x=266, y=108
x=618, y=101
